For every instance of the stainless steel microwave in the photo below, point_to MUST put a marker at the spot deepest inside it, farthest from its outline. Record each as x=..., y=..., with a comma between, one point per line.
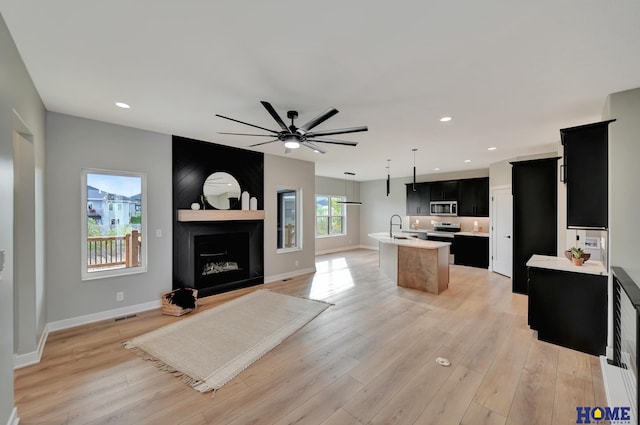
x=446, y=208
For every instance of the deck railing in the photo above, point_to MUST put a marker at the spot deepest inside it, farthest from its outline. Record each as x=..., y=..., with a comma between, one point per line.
x=114, y=251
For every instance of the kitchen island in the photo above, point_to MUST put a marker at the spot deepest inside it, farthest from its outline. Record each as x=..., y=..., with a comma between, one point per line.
x=414, y=263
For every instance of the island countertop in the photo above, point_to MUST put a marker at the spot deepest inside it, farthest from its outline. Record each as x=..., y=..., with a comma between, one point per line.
x=563, y=264
x=408, y=241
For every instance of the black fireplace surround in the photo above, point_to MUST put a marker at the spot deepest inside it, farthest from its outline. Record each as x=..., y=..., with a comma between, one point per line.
x=215, y=256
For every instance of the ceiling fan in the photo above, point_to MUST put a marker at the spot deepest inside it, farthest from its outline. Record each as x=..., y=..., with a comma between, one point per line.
x=294, y=137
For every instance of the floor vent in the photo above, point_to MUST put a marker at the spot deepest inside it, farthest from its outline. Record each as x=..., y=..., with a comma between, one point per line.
x=117, y=319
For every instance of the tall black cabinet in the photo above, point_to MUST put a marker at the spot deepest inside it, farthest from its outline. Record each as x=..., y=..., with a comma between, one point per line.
x=535, y=206
x=586, y=172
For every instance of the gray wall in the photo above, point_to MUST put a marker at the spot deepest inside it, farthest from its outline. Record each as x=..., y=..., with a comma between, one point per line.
x=331, y=186
x=75, y=143
x=281, y=172
x=624, y=175
x=377, y=208
x=17, y=93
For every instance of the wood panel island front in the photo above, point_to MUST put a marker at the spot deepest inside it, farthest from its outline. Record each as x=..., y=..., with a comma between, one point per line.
x=414, y=263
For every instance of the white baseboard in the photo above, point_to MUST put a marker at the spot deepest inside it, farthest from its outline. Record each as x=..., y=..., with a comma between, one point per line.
x=340, y=249
x=613, y=384
x=28, y=359
x=14, y=419
x=289, y=275
x=371, y=247
x=103, y=315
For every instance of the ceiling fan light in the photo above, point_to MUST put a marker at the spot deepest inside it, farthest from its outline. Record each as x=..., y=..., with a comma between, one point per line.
x=291, y=144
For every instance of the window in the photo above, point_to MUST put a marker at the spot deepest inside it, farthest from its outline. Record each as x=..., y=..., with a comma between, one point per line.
x=113, y=223
x=289, y=220
x=331, y=216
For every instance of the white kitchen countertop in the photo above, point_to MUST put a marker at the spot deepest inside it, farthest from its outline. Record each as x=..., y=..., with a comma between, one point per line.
x=412, y=242
x=480, y=234
x=563, y=264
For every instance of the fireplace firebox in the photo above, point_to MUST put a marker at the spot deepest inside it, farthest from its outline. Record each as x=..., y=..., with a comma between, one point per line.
x=220, y=259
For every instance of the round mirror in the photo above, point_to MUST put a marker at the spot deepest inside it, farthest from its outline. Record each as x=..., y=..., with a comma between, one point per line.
x=221, y=191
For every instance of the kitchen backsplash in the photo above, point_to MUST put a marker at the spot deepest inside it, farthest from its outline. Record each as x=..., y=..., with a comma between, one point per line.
x=466, y=223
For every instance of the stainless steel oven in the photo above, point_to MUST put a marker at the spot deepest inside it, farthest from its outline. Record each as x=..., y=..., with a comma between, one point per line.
x=445, y=232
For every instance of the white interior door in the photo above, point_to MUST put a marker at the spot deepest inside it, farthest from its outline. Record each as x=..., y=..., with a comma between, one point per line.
x=502, y=225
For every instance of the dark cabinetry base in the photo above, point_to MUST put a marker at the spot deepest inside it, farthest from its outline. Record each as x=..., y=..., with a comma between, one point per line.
x=569, y=309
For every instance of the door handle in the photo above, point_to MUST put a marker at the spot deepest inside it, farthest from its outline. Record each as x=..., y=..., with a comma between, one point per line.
x=508, y=236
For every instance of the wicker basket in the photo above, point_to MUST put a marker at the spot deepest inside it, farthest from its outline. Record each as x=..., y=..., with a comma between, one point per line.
x=174, y=310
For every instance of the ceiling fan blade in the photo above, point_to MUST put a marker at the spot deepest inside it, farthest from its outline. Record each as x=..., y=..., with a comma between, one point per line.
x=247, y=134
x=319, y=119
x=246, y=123
x=339, y=131
x=333, y=142
x=275, y=115
x=315, y=148
x=263, y=143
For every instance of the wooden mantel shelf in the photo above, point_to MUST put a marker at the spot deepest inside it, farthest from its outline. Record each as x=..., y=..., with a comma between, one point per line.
x=220, y=215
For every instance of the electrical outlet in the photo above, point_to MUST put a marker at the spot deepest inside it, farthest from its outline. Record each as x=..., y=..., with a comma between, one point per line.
x=119, y=296
x=296, y=263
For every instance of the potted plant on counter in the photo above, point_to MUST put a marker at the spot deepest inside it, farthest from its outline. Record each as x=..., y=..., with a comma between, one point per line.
x=577, y=255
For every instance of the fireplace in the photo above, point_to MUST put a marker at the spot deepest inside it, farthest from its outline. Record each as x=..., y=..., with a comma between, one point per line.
x=230, y=252
x=220, y=259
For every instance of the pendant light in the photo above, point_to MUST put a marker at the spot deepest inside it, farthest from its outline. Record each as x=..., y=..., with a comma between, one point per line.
x=346, y=194
x=414, y=168
x=388, y=177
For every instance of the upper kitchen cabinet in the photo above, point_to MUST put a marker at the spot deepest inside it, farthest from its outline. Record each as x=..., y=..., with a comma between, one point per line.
x=586, y=174
x=418, y=200
x=473, y=197
x=444, y=190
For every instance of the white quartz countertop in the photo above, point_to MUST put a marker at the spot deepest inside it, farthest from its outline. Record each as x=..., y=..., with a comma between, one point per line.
x=563, y=264
x=479, y=234
x=410, y=241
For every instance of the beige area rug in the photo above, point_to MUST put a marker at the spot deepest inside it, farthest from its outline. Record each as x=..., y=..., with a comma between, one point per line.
x=211, y=347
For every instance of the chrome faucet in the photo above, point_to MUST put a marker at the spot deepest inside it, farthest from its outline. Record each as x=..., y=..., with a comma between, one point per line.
x=391, y=224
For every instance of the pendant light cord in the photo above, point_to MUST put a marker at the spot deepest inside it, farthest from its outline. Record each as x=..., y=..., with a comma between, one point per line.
x=414, y=168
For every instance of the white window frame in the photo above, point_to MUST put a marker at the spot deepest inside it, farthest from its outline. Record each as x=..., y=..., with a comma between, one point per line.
x=344, y=217
x=85, y=274
x=299, y=215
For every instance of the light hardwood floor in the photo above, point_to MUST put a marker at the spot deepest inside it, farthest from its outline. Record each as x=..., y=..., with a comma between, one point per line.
x=369, y=359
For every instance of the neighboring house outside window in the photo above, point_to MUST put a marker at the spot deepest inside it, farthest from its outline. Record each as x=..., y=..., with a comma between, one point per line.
x=331, y=216
x=113, y=229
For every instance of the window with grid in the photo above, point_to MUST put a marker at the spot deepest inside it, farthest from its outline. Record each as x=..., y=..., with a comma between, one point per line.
x=331, y=216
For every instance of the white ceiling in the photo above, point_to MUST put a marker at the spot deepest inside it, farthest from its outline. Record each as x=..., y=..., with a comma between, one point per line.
x=511, y=73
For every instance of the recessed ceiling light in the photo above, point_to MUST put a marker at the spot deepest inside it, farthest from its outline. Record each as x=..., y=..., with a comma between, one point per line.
x=122, y=105
x=445, y=119
x=467, y=160
x=492, y=148
x=436, y=169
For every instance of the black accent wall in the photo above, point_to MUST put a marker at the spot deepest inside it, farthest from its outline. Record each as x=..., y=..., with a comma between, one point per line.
x=193, y=162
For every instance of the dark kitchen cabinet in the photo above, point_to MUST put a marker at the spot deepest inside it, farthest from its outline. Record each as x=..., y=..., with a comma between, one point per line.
x=473, y=197
x=418, y=200
x=535, y=204
x=586, y=174
x=444, y=190
x=569, y=309
x=472, y=251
